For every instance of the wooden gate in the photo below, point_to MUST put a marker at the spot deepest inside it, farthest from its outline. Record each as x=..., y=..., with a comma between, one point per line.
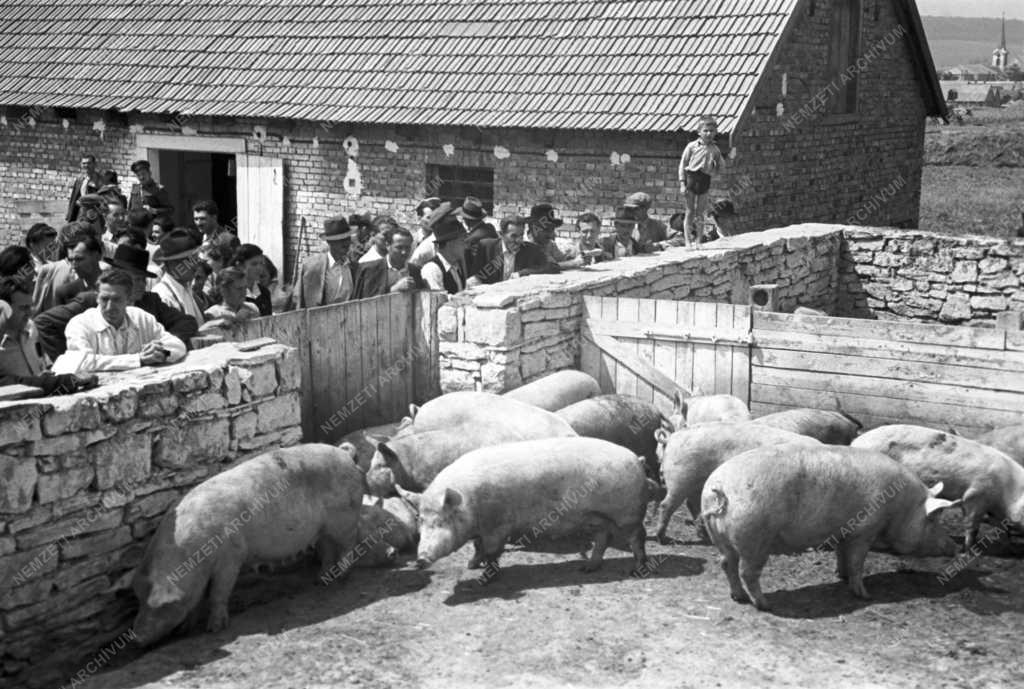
x=653, y=348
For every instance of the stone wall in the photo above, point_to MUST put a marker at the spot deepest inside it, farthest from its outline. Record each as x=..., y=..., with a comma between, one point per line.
x=506, y=334
x=84, y=480
x=885, y=273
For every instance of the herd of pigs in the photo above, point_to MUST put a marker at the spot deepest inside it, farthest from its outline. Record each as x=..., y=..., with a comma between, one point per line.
x=556, y=459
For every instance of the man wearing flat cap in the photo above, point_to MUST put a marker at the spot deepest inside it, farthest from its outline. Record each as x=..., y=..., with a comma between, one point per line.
x=649, y=233
x=147, y=194
x=328, y=277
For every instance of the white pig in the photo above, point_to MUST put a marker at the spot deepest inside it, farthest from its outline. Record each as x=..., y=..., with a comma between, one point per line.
x=987, y=480
x=270, y=507
x=553, y=488
x=788, y=498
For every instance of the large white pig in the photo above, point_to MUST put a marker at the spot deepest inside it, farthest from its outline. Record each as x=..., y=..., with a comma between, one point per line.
x=690, y=411
x=547, y=489
x=690, y=455
x=556, y=390
x=829, y=427
x=788, y=498
x=621, y=419
x=988, y=481
x=1008, y=439
x=412, y=460
x=482, y=409
x=270, y=507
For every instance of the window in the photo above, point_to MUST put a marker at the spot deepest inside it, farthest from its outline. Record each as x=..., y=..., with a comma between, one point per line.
x=453, y=183
x=843, y=54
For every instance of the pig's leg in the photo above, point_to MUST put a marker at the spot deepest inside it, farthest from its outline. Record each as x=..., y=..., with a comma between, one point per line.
x=601, y=539
x=222, y=582
x=854, y=553
x=667, y=507
x=750, y=573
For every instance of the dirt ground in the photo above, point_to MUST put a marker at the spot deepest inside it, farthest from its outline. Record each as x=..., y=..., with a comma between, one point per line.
x=544, y=623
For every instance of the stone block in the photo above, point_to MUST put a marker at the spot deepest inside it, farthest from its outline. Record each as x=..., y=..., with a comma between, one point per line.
x=71, y=413
x=278, y=413
x=96, y=544
x=180, y=445
x=64, y=484
x=244, y=425
x=262, y=380
x=124, y=458
x=17, y=483
x=492, y=326
x=289, y=371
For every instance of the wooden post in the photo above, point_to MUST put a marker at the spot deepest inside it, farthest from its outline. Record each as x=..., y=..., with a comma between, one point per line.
x=764, y=297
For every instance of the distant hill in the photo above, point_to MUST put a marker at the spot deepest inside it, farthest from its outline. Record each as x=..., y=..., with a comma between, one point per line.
x=961, y=40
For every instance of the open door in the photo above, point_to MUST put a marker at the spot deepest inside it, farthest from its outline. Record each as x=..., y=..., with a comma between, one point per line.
x=261, y=204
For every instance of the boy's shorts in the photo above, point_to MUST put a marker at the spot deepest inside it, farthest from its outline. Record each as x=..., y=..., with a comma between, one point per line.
x=696, y=182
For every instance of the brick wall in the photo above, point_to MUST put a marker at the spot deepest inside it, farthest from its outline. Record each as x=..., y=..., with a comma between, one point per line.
x=929, y=277
x=508, y=334
x=84, y=480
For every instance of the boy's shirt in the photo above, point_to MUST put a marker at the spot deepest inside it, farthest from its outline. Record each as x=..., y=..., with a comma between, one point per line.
x=700, y=158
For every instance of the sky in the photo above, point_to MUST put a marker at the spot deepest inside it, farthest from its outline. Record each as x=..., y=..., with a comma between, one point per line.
x=1014, y=9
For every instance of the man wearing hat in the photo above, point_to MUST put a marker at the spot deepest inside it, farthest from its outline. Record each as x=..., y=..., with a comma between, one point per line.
x=472, y=214
x=447, y=269
x=135, y=262
x=621, y=244
x=509, y=256
x=88, y=182
x=179, y=257
x=328, y=277
x=147, y=194
x=649, y=233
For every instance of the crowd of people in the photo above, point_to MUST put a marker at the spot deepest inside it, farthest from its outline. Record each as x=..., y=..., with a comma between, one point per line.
x=120, y=285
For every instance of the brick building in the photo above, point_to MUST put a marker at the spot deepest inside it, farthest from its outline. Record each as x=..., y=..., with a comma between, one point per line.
x=286, y=112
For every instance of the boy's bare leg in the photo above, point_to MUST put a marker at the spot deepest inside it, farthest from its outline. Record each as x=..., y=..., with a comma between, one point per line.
x=690, y=200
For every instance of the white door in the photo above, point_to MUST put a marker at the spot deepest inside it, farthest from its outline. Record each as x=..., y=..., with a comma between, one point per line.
x=261, y=204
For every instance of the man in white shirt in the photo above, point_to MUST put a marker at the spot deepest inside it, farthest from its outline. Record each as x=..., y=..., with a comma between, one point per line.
x=113, y=336
x=179, y=256
x=326, y=278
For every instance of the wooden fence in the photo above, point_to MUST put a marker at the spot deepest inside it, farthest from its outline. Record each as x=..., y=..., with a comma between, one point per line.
x=363, y=362
x=880, y=372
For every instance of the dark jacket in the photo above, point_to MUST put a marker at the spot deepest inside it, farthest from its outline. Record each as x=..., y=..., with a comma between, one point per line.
x=372, y=279
x=530, y=259
x=51, y=323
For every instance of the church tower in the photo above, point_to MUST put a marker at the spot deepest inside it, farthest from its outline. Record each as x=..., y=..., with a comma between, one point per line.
x=999, y=54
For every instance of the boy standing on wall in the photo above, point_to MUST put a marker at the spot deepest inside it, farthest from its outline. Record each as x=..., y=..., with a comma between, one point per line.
x=701, y=158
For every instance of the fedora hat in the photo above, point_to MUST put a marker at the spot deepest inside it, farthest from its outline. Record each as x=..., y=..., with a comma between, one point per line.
x=472, y=209
x=624, y=216
x=175, y=245
x=132, y=259
x=543, y=214
x=336, y=229
x=448, y=228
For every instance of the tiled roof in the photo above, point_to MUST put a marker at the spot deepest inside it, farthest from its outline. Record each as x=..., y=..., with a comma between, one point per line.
x=645, y=65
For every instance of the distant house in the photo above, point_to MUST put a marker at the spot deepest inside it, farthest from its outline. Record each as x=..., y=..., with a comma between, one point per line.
x=964, y=93
x=288, y=111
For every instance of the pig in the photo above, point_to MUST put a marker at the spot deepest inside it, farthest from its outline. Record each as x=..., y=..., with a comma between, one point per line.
x=788, y=498
x=690, y=455
x=829, y=427
x=987, y=480
x=270, y=507
x=622, y=419
x=552, y=488
x=689, y=411
x=387, y=528
x=1009, y=440
x=413, y=460
x=483, y=409
x=557, y=390
x=365, y=440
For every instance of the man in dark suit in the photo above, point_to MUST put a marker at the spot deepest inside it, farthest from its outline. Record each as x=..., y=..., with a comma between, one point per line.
x=393, y=273
x=508, y=256
x=328, y=277
x=88, y=182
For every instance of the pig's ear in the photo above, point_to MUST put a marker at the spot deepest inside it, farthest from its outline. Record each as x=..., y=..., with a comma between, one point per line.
x=933, y=505
x=661, y=435
x=934, y=491
x=164, y=592
x=410, y=497
x=452, y=498
x=387, y=453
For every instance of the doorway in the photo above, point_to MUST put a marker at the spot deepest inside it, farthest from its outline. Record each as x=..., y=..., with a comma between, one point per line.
x=193, y=176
